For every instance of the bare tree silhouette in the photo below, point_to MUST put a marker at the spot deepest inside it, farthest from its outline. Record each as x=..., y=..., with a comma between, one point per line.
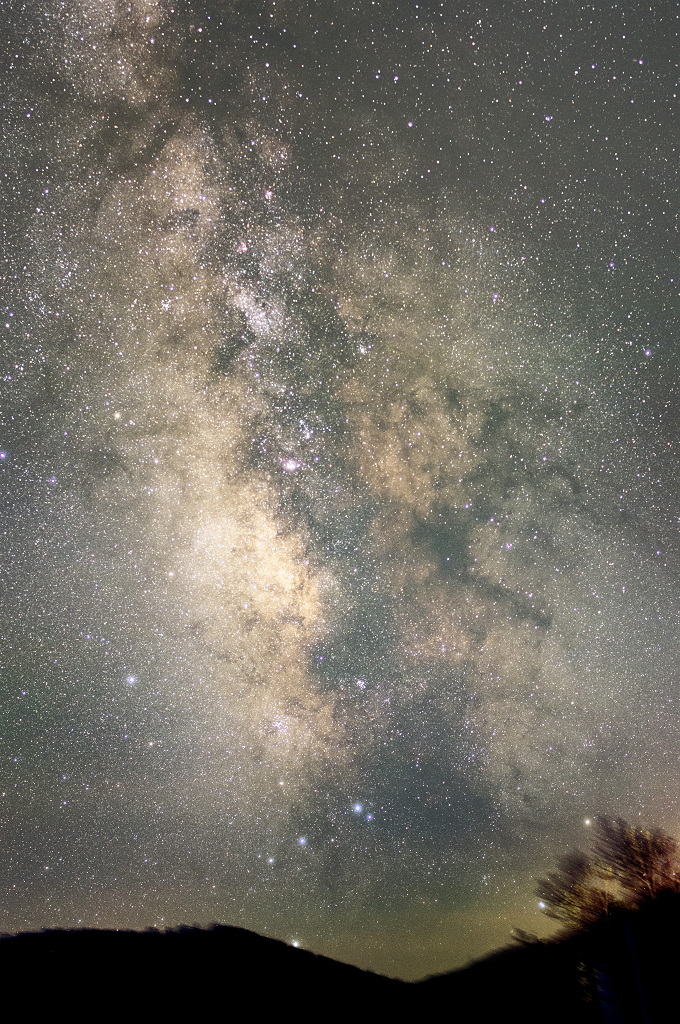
x=629, y=866
x=644, y=861
x=580, y=892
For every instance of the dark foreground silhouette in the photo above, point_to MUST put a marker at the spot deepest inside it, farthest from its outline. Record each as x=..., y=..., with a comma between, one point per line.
x=621, y=971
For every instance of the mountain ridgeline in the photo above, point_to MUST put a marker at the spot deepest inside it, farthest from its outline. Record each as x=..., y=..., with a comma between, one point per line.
x=613, y=962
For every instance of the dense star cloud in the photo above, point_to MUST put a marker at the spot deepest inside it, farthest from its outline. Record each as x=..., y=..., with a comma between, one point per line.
x=338, y=451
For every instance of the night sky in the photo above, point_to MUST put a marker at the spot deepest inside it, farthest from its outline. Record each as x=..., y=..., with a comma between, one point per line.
x=339, y=543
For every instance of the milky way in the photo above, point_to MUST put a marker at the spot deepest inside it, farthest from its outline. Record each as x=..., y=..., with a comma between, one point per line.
x=338, y=451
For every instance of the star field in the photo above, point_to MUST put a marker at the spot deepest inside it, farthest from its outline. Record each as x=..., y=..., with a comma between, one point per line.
x=338, y=446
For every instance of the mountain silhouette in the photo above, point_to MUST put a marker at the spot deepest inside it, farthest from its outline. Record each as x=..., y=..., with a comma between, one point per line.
x=620, y=971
